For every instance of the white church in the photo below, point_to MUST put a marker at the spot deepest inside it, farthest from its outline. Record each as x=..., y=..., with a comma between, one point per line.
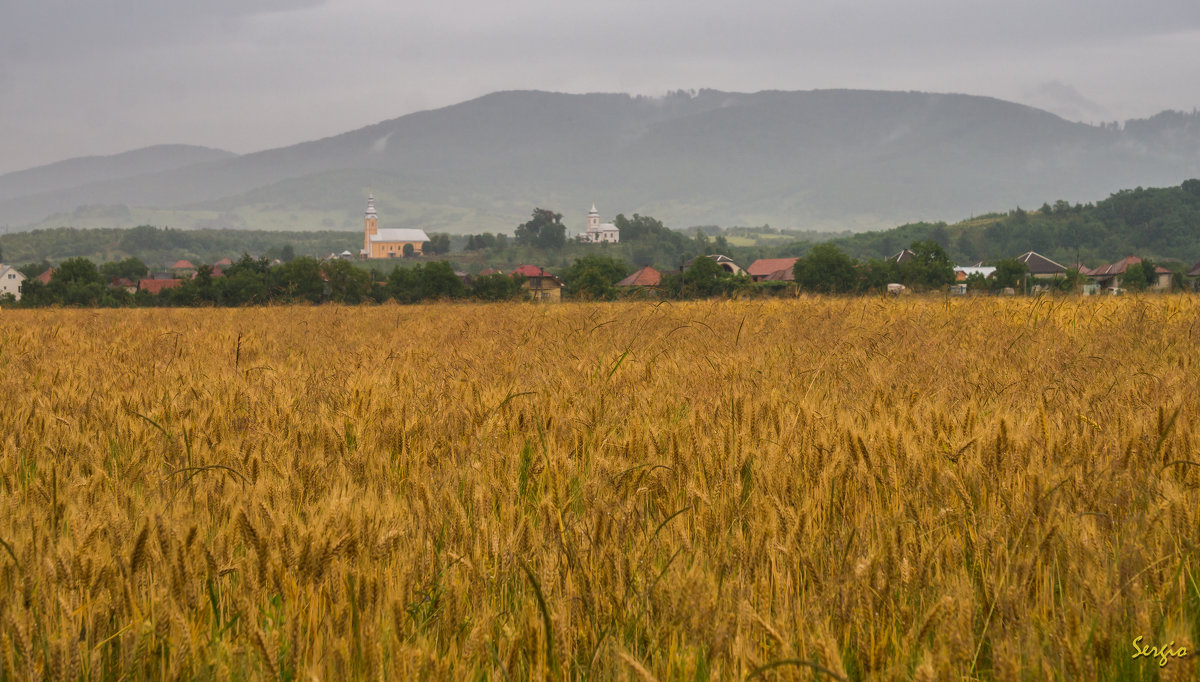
x=597, y=232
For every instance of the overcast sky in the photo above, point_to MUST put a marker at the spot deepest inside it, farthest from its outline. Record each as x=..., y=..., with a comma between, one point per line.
x=81, y=77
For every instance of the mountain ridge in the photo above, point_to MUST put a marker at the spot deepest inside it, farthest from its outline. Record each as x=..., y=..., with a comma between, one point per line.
x=818, y=159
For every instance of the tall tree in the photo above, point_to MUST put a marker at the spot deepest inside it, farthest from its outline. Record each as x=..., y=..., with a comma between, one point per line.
x=826, y=269
x=929, y=268
x=544, y=230
x=593, y=276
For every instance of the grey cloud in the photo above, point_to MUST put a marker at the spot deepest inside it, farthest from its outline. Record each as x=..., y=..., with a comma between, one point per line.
x=63, y=30
x=217, y=69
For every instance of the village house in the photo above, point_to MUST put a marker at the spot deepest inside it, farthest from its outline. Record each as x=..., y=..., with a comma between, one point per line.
x=182, y=269
x=597, y=232
x=538, y=284
x=1110, y=277
x=10, y=281
x=1193, y=277
x=388, y=242
x=763, y=269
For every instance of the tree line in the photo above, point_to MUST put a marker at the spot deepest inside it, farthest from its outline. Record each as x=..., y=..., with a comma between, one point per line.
x=255, y=281
x=1153, y=222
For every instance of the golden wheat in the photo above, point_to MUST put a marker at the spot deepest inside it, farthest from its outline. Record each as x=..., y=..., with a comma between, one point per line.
x=822, y=487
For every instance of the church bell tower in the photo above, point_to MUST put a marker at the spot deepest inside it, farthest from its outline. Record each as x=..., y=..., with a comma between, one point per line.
x=370, y=224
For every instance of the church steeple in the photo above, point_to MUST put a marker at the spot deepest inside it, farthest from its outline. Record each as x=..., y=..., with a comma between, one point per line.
x=370, y=223
x=593, y=220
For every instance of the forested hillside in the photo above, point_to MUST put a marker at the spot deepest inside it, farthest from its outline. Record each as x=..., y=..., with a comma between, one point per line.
x=1162, y=223
x=155, y=246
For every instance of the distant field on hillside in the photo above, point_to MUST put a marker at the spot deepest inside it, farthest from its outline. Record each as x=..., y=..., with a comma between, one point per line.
x=854, y=488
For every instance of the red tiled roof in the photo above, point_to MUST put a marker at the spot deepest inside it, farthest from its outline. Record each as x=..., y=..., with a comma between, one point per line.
x=490, y=271
x=646, y=277
x=1195, y=271
x=123, y=282
x=766, y=266
x=1117, y=268
x=783, y=275
x=223, y=261
x=1160, y=270
x=155, y=286
x=183, y=265
x=44, y=278
x=536, y=277
x=529, y=271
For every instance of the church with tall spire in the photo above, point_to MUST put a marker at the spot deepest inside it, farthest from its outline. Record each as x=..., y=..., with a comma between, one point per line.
x=388, y=242
x=597, y=232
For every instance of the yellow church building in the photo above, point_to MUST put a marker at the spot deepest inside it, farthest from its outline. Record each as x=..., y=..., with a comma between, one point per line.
x=388, y=242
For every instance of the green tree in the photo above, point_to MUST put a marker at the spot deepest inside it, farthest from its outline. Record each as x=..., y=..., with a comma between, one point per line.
x=1009, y=273
x=34, y=294
x=425, y=281
x=1136, y=277
x=346, y=283
x=544, y=230
x=639, y=227
x=248, y=263
x=593, y=277
x=206, y=292
x=77, y=282
x=977, y=282
x=245, y=282
x=131, y=268
x=826, y=269
x=496, y=287
x=437, y=244
x=438, y=280
x=929, y=268
x=592, y=285
x=299, y=280
x=876, y=273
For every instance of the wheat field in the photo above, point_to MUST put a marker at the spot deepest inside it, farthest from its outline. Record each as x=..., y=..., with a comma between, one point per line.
x=819, y=488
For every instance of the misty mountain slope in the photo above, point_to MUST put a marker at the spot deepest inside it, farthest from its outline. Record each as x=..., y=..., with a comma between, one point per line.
x=90, y=169
x=830, y=159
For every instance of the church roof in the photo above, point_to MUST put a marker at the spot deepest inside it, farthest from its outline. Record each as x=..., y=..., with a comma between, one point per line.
x=399, y=234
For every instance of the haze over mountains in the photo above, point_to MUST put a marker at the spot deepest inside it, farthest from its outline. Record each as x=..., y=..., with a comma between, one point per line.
x=819, y=160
